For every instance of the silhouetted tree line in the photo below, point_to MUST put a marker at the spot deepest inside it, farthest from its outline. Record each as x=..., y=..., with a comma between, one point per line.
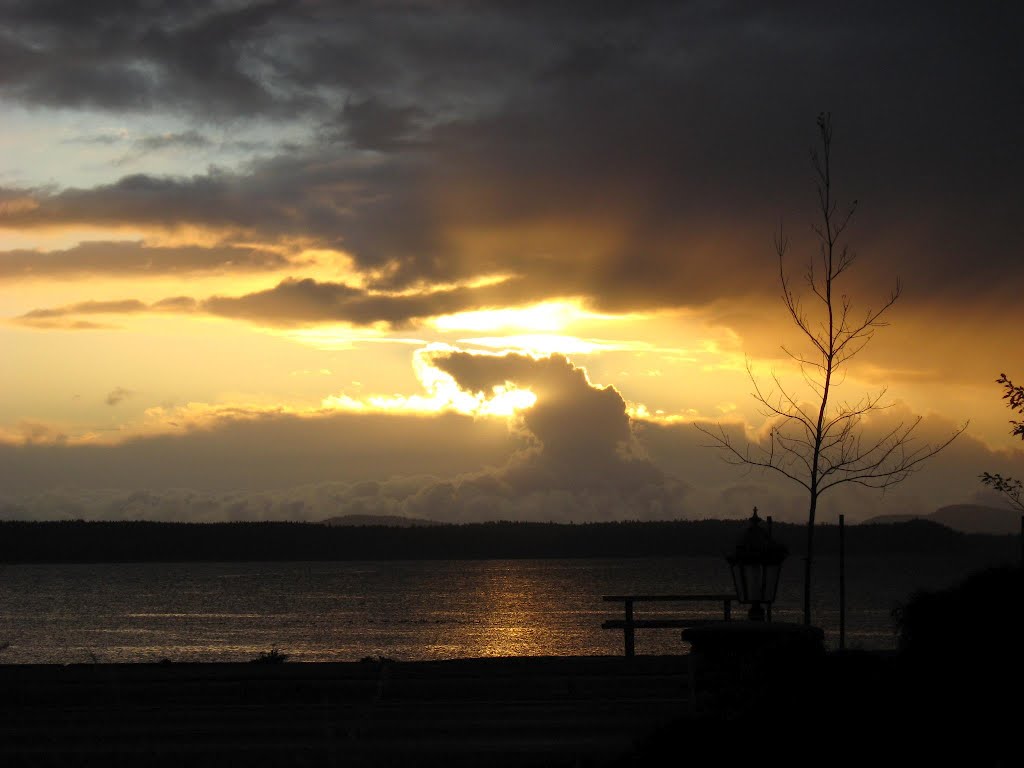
x=140, y=541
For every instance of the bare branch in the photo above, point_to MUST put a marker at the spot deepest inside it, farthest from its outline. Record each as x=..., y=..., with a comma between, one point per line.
x=736, y=456
x=813, y=440
x=896, y=466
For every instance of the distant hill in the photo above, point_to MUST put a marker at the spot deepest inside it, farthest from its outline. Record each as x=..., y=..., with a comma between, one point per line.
x=391, y=521
x=968, y=518
x=69, y=541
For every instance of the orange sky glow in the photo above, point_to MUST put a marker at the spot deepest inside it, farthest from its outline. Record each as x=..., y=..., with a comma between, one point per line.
x=472, y=281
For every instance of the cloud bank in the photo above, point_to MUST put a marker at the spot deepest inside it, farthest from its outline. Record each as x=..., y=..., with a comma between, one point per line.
x=575, y=455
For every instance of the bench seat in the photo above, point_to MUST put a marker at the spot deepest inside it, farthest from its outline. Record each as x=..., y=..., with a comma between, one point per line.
x=657, y=623
x=630, y=623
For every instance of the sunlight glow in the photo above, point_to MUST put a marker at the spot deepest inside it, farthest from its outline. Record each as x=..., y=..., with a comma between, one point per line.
x=541, y=344
x=443, y=394
x=333, y=338
x=548, y=316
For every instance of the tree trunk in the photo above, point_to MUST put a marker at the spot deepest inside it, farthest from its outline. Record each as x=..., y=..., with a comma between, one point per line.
x=809, y=559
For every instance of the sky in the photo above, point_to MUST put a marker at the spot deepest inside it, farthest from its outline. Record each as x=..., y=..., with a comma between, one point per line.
x=472, y=261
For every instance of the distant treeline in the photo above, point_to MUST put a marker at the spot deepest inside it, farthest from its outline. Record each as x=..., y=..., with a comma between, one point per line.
x=138, y=541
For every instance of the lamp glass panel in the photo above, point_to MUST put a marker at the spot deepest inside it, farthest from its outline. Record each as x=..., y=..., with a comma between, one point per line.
x=737, y=580
x=771, y=581
x=755, y=582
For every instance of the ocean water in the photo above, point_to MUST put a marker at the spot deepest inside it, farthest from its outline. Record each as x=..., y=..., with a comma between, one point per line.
x=406, y=610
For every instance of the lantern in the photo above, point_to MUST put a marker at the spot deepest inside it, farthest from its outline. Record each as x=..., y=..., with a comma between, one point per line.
x=756, y=564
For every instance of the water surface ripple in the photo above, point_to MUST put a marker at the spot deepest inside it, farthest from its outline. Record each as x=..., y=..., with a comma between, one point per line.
x=404, y=610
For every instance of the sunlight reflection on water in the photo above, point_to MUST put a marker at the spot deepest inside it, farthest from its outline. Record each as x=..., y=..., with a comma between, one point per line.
x=401, y=610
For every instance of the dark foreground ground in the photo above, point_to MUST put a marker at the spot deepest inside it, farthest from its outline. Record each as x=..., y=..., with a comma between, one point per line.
x=856, y=709
x=514, y=711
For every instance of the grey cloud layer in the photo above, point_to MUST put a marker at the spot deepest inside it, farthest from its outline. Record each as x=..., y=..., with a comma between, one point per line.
x=131, y=258
x=309, y=301
x=261, y=454
x=638, y=157
x=305, y=302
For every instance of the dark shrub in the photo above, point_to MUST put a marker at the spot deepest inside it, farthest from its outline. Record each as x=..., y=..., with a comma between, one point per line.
x=978, y=618
x=273, y=656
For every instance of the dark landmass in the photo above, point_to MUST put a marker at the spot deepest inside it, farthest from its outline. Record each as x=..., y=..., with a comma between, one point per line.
x=392, y=521
x=139, y=541
x=967, y=518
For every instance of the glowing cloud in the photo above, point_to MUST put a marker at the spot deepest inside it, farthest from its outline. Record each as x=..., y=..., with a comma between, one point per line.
x=442, y=393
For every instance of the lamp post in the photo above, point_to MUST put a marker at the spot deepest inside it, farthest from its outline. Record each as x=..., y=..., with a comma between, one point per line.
x=756, y=564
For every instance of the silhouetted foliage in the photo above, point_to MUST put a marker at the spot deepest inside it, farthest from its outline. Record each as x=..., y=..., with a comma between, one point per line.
x=816, y=440
x=1014, y=396
x=980, y=616
x=961, y=672
x=273, y=656
x=1011, y=488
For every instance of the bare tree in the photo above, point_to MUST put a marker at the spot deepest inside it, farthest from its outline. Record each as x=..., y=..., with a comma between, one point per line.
x=816, y=440
x=1012, y=490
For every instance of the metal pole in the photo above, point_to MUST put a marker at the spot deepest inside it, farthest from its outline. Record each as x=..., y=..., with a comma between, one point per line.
x=629, y=633
x=842, y=583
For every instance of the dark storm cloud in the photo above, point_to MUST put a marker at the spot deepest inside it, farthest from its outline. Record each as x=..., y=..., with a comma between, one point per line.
x=227, y=59
x=327, y=197
x=150, y=200
x=133, y=258
x=372, y=124
x=639, y=156
x=140, y=55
